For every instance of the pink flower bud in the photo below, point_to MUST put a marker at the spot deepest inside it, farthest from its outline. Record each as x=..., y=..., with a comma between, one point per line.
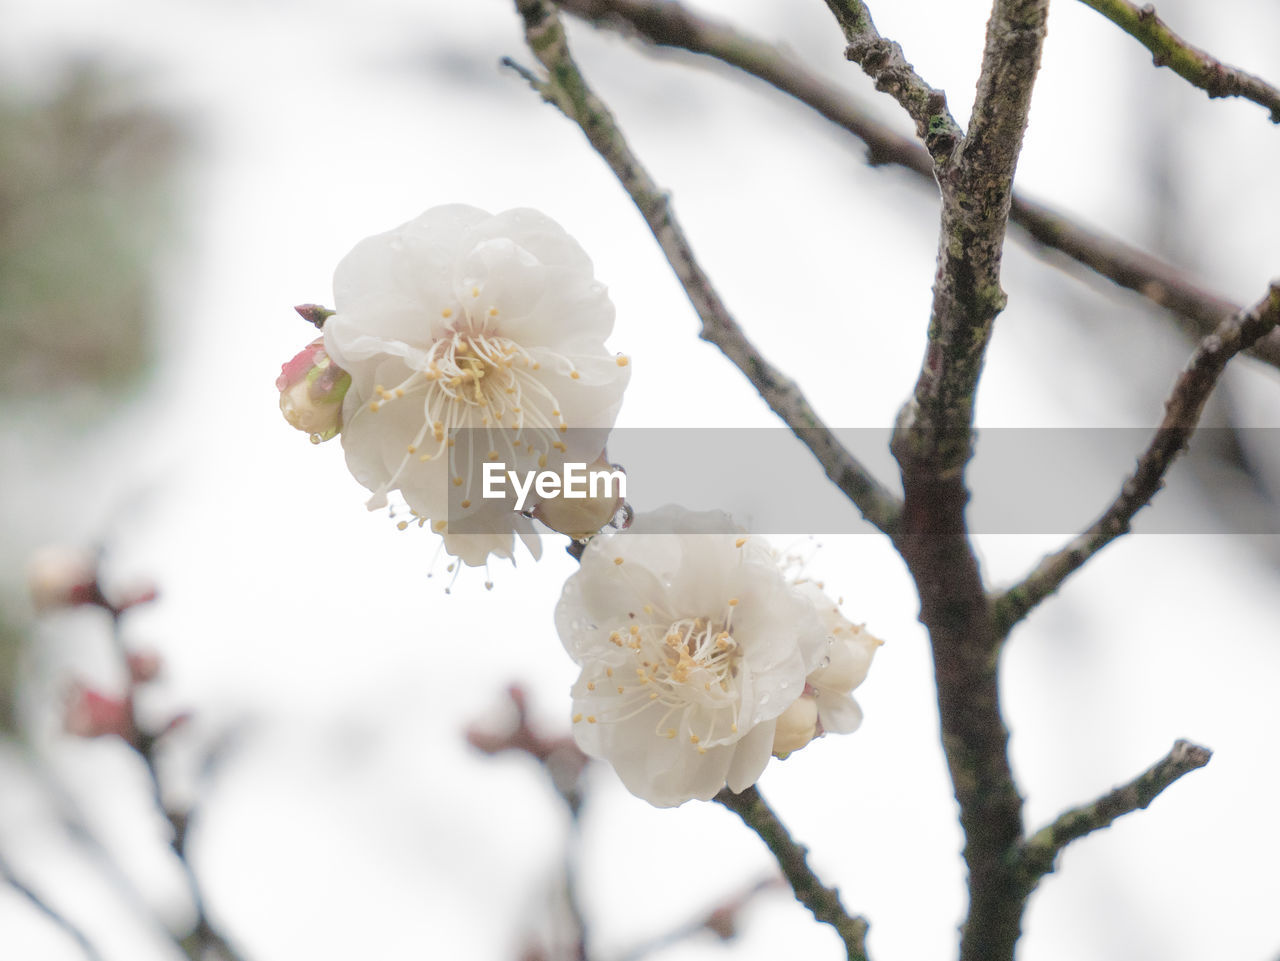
x=580, y=517
x=312, y=388
x=91, y=714
x=62, y=577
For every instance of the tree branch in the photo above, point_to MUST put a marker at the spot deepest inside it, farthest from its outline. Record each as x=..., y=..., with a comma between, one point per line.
x=932, y=444
x=565, y=88
x=671, y=24
x=1182, y=412
x=1192, y=64
x=882, y=60
x=823, y=902
x=1041, y=849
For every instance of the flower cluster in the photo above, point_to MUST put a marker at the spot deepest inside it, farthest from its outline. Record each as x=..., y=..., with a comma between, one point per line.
x=695, y=651
x=469, y=337
x=463, y=338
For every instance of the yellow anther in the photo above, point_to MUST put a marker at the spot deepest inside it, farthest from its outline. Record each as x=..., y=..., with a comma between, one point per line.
x=373, y=407
x=412, y=449
x=620, y=688
x=446, y=313
x=574, y=374
x=591, y=685
x=403, y=525
x=739, y=542
x=591, y=718
x=618, y=560
x=577, y=718
x=457, y=482
x=466, y=502
x=623, y=361
x=733, y=602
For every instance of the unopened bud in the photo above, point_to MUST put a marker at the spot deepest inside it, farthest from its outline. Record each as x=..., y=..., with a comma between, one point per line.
x=62, y=577
x=312, y=388
x=796, y=726
x=580, y=517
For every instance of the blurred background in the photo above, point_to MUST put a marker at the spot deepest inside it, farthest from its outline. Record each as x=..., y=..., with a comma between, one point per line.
x=175, y=175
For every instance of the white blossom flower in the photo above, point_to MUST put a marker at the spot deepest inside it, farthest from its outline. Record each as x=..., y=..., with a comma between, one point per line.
x=464, y=319
x=828, y=704
x=691, y=642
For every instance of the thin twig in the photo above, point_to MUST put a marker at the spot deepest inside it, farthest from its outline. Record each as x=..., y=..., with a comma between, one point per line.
x=670, y=24
x=1041, y=850
x=1192, y=64
x=721, y=920
x=203, y=937
x=1182, y=413
x=823, y=902
x=565, y=88
x=882, y=60
x=44, y=907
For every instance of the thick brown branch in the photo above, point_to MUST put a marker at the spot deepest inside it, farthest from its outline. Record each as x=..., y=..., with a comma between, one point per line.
x=932, y=445
x=792, y=858
x=1192, y=64
x=670, y=24
x=566, y=88
x=1042, y=848
x=882, y=60
x=1182, y=413
x=976, y=196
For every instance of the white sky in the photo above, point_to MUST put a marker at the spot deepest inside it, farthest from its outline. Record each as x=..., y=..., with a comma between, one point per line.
x=352, y=821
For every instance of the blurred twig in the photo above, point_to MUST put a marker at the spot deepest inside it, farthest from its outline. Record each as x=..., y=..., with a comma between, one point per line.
x=721, y=921
x=563, y=763
x=1194, y=65
x=565, y=88
x=40, y=904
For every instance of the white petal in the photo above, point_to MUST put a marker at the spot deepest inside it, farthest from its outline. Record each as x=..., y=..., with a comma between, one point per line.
x=750, y=757
x=838, y=712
